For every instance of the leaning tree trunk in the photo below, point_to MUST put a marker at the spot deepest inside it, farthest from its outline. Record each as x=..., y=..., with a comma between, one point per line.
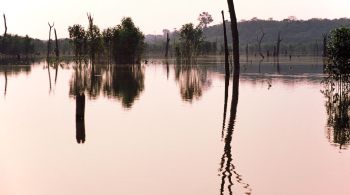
x=235, y=40
x=5, y=33
x=167, y=45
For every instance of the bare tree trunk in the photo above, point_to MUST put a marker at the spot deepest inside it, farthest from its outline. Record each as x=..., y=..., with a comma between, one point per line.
x=324, y=45
x=49, y=42
x=279, y=40
x=247, y=52
x=227, y=65
x=235, y=39
x=56, y=50
x=227, y=73
x=167, y=45
x=259, y=43
x=5, y=33
x=92, y=45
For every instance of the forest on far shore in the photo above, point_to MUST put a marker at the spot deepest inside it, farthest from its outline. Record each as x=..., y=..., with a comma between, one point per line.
x=299, y=37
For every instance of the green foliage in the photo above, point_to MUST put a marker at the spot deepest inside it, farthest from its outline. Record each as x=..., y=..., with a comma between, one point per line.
x=338, y=48
x=94, y=41
x=16, y=45
x=190, y=39
x=128, y=42
x=125, y=41
x=78, y=37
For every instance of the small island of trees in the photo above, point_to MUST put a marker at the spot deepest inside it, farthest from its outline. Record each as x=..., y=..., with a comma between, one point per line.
x=124, y=42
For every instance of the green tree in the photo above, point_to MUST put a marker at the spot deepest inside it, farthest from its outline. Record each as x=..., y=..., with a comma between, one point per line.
x=78, y=36
x=338, y=48
x=190, y=39
x=128, y=42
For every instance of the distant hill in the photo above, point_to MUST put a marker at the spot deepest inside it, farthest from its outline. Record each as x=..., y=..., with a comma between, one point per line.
x=299, y=36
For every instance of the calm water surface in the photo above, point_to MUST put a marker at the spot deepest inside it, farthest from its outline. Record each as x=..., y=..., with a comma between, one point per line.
x=158, y=129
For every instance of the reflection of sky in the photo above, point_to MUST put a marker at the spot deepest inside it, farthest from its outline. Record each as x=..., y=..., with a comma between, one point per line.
x=31, y=17
x=163, y=145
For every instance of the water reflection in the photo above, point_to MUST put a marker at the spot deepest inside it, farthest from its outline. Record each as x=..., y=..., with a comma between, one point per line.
x=192, y=79
x=80, y=117
x=10, y=67
x=122, y=82
x=227, y=168
x=336, y=92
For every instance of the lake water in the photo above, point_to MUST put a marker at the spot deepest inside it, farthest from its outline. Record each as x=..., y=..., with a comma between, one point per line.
x=158, y=129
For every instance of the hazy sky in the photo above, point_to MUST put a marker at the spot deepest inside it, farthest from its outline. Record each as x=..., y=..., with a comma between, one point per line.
x=31, y=16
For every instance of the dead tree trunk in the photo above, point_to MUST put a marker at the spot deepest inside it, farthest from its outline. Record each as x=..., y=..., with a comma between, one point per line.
x=167, y=45
x=324, y=45
x=49, y=42
x=56, y=49
x=5, y=33
x=259, y=43
x=279, y=40
x=227, y=65
x=235, y=39
x=91, y=46
x=247, y=52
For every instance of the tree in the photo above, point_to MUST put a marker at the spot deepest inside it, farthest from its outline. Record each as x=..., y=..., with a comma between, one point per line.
x=78, y=36
x=338, y=49
x=190, y=39
x=128, y=42
x=94, y=39
x=107, y=36
x=204, y=19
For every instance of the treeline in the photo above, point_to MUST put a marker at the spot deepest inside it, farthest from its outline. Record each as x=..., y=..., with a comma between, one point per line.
x=298, y=37
x=19, y=46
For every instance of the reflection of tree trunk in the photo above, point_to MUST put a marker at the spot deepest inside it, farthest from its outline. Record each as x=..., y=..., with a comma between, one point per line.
x=227, y=167
x=227, y=82
x=48, y=70
x=56, y=71
x=5, y=80
x=167, y=69
x=80, y=117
